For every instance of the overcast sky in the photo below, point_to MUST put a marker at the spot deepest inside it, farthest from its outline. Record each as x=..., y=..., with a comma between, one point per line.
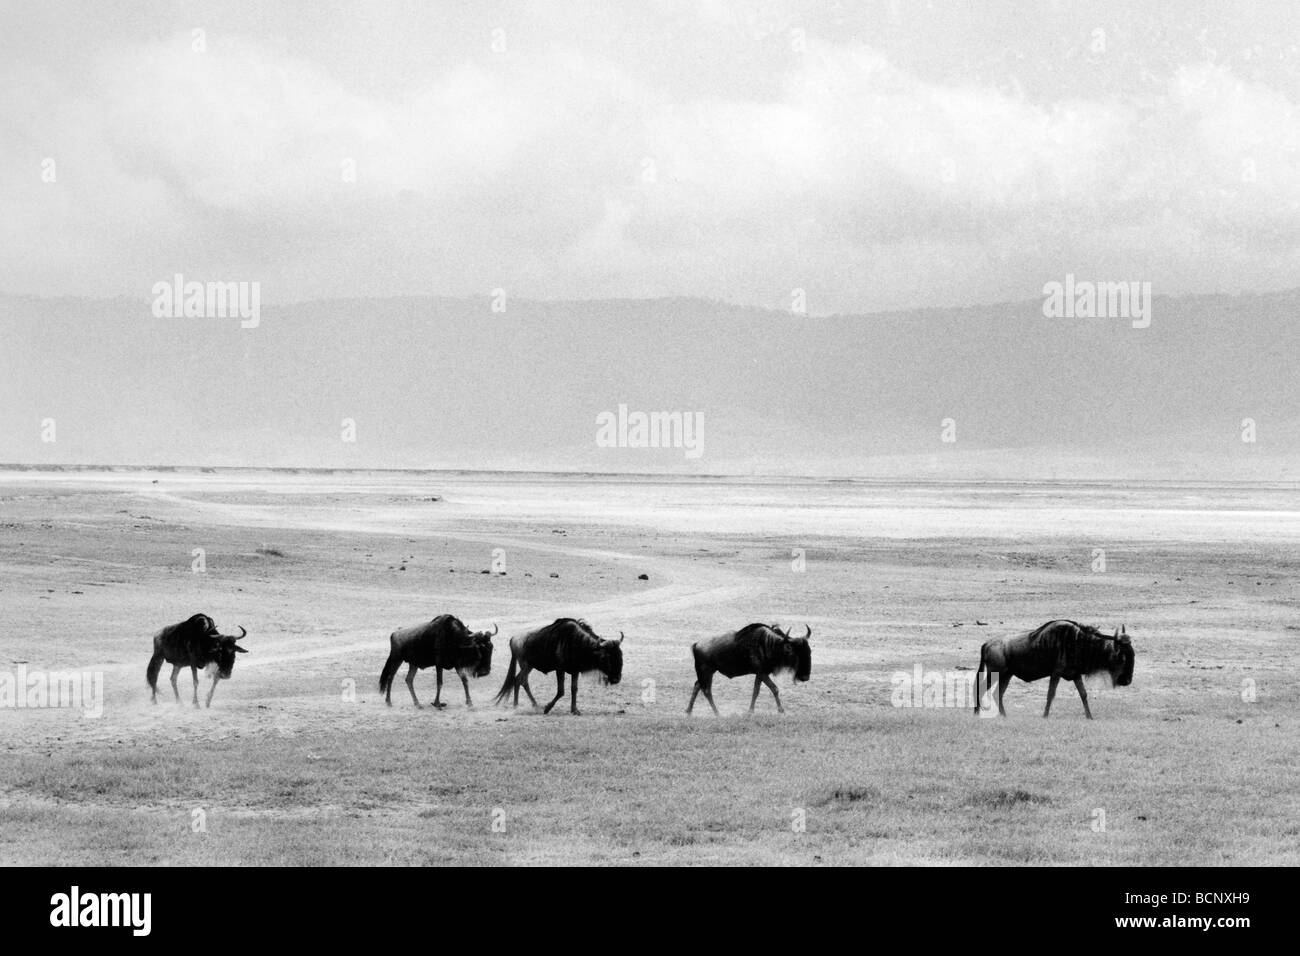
x=878, y=155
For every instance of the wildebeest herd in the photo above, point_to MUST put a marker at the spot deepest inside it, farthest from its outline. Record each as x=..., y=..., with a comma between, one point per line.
x=569, y=646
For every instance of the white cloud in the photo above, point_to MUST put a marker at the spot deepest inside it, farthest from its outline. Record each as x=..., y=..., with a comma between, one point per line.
x=528, y=167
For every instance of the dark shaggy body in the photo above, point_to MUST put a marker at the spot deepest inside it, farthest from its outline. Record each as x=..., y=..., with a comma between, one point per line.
x=565, y=646
x=1058, y=649
x=193, y=643
x=443, y=643
x=758, y=649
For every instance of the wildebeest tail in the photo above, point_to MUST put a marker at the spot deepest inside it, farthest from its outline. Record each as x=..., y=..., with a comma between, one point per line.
x=509, y=685
x=978, y=672
x=155, y=665
x=390, y=670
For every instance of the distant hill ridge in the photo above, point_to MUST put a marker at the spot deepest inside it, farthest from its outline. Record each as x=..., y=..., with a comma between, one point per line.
x=449, y=383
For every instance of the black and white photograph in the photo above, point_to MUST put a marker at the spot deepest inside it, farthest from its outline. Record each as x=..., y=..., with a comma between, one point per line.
x=731, y=433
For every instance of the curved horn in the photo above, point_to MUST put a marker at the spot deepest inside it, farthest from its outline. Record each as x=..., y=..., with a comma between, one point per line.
x=620, y=637
x=495, y=629
x=809, y=630
x=242, y=633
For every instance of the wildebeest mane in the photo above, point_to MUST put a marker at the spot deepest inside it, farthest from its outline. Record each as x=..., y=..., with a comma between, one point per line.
x=776, y=648
x=195, y=626
x=1085, y=649
x=453, y=641
x=577, y=642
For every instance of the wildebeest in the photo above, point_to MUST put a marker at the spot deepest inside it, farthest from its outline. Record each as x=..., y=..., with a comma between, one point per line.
x=758, y=649
x=1057, y=649
x=444, y=642
x=194, y=643
x=565, y=646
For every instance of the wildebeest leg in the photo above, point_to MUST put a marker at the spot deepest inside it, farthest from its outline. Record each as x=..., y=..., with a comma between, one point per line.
x=1003, y=680
x=212, y=690
x=708, y=695
x=694, y=693
x=524, y=671
x=559, y=690
x=758, y=682
x=410, y=683
x=465, y=682
x=772, y=687
x=437, y=695
x=573, y=701
x=707, y=688
x=176, y=669
x=194, y=675
x=1083, y=696
x=1051, y=692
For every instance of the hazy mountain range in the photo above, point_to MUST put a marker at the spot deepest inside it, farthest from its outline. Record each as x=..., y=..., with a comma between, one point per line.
x=450, y=383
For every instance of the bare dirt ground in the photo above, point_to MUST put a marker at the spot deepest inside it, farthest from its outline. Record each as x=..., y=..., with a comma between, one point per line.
x=298, y=761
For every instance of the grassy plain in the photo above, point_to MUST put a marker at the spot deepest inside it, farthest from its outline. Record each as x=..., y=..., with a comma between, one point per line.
x=298, y=761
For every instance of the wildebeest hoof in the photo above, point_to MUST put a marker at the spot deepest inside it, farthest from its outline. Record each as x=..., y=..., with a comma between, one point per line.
x=575, y=712
x=438, y=705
